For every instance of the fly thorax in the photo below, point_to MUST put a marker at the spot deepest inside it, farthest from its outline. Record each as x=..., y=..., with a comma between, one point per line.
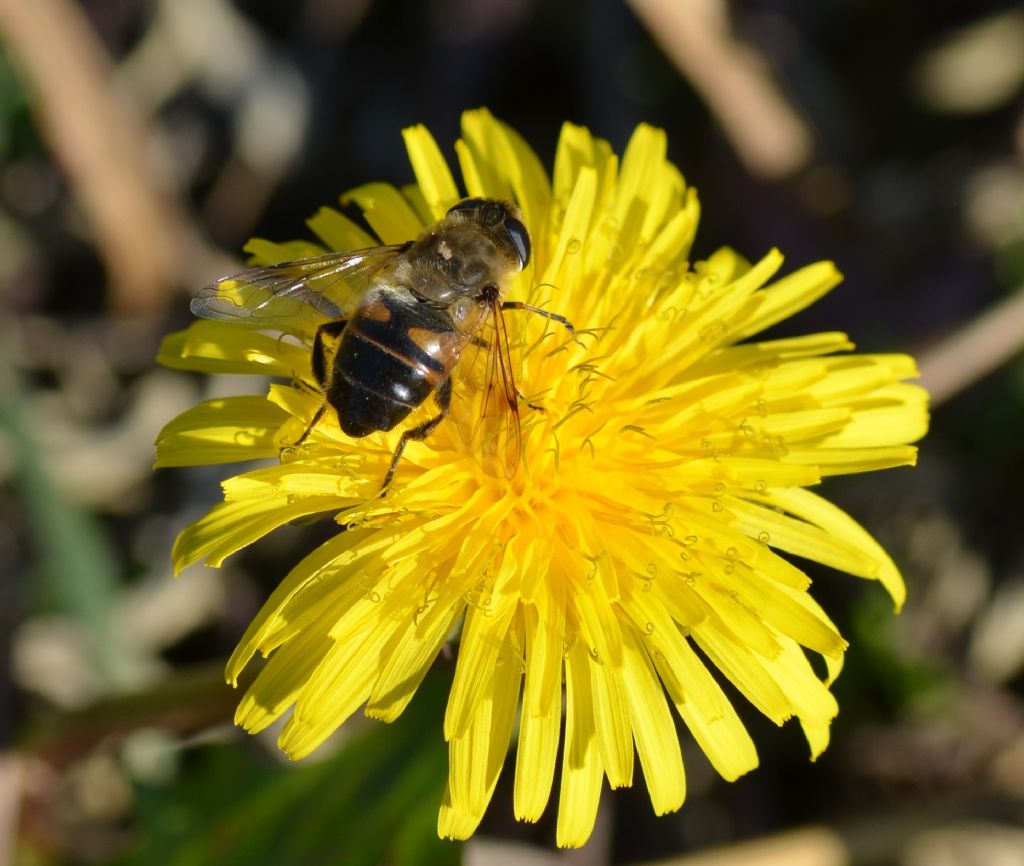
x=465, y=260
x=454, y=261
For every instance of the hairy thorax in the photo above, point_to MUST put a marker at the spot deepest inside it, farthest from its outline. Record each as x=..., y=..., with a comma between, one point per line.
x=453, y=262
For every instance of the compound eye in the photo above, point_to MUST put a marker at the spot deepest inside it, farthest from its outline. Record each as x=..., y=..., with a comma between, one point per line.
x=467, y=204
x=520, y=238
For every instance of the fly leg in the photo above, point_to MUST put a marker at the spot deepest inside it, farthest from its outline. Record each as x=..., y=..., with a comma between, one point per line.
x=320, y=371
x=483, y=344
x=555, y=317
x=443, y=397
x=535, y=406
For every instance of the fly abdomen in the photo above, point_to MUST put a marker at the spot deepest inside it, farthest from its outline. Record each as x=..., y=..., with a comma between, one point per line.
x=373, y=387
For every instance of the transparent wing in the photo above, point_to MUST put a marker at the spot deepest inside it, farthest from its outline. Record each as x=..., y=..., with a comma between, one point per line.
x=328, y=287
x=486, y=404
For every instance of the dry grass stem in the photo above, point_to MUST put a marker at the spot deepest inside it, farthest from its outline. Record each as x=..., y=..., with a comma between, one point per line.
x=98, y=139
x=975, y=350
x=771, y=138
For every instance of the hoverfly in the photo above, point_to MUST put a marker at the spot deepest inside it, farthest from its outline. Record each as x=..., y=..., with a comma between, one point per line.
x=403, y=317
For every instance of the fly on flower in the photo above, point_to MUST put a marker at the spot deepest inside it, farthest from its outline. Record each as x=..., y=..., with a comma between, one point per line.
x=403, y=316
x=638, y=559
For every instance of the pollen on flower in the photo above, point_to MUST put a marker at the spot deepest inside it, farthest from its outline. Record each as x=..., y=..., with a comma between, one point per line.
x=664, y=465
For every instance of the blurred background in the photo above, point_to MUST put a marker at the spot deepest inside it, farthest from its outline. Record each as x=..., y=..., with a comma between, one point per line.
x=143, y=141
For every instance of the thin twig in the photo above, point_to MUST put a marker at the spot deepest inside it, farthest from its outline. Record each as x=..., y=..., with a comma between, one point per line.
x=768, y=133
x=141, y=231
x=975, y=350
x=12, y=772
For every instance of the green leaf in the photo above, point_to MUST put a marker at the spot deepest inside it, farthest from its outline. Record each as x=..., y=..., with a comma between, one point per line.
x=78, y=568
x=374, y=801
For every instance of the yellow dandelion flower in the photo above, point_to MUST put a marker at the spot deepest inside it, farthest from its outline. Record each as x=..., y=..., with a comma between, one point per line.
x=638, y=541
